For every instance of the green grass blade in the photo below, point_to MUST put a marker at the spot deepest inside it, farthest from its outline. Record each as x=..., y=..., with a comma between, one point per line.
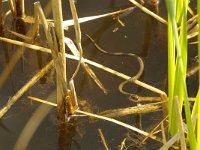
x=171, y=71
x=180, y=67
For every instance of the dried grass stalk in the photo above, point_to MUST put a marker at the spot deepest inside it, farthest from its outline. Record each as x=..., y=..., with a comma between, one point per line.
x=87, y=68
x=149, y=12
x=120, y=112
x=13, y=7
x=164, y=137
x=78, y=35
x=121, y=75
x=113, y=121
x=103, y=139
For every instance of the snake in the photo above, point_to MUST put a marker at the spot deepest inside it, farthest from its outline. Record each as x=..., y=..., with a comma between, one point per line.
x=131, y=96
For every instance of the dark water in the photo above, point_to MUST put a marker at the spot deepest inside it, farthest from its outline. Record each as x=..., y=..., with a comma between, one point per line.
x=142, y=35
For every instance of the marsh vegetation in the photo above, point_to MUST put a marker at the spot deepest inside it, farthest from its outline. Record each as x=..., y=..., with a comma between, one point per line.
x=99, y=74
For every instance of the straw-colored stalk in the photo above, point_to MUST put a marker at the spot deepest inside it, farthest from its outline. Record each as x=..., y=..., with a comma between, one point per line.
x=57, y=56
x=58, y=19
x=121, y=75
x=164, y=137
x=148, y=12
x=103, y=139
x=13, y=7
x=107, y=119
x=15, y=58
x=154, y=130
x=70, y=22
x=140, y=109
x=87, y=68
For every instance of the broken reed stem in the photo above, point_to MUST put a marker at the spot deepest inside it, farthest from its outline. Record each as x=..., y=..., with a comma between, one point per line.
x=87, y=68
x=121, y=75
x=58, y=55
x=119, y=123
x=103, y=139
x=28, y=85
x=20, y=8
x=13, y=7
x=70, y=22
x=140, y=109
x=58, y=19
x=149, y=12
x=54, y=50
x=110, y=120
x=164, y=136
x=78, y=35
x=153, y=130
x=15, y=57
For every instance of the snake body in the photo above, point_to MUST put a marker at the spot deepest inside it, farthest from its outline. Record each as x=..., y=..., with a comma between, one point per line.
x=131, y=79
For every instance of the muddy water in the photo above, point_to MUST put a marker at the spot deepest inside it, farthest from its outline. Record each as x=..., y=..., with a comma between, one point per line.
x=141, y=35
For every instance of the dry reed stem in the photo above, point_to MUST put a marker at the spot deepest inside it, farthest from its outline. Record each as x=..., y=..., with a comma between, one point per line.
x=121, y=75
x=180, y=123
x=153, y=131
x=170, y=142
x=28, y=85
x=190, y=11
x=22, y=36
x=164, y=136
x=57, y=56
x=90, y=18
x=55, y=38
x=58, y=19
x=120, y=112
x=123, y=145
x=176, y=137
x=78, y=35
x=87, y=68
x=103, y=139
x=42, y=101
x=149, y=12
x=13, y=7
x=192, y=70
x=118, y=123
x=68, y=23
x=72, y=98
x=110, y=120
x=9, y=67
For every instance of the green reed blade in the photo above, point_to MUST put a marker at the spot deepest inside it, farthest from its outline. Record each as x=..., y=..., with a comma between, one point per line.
x=180, y=89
